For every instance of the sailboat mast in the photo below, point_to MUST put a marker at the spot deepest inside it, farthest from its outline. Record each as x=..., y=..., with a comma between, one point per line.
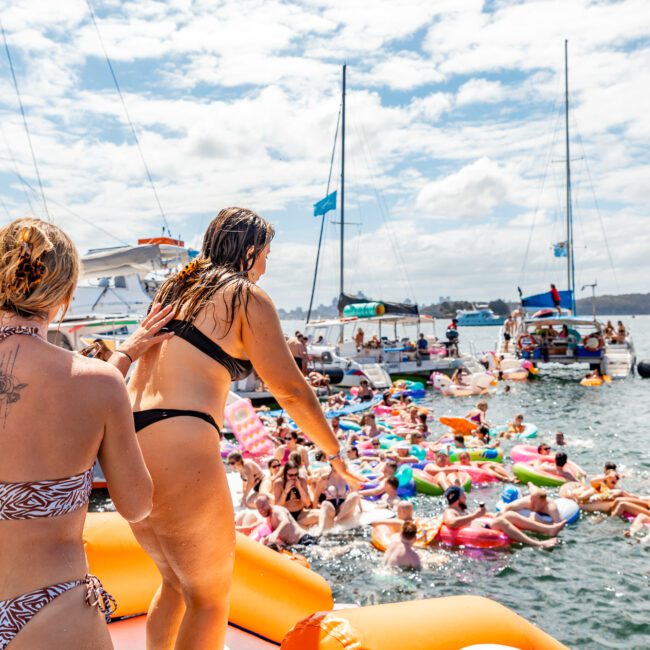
x=341, y=288
x=569, y=212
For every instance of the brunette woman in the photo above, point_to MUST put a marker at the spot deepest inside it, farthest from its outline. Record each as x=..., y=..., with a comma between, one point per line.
x=225, y=325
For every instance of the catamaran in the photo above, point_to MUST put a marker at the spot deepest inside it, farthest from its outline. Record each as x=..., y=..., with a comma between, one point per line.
x=392, y=352
x=549, y=331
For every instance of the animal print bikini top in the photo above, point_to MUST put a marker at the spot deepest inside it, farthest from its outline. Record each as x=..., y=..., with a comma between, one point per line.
x=49, y=498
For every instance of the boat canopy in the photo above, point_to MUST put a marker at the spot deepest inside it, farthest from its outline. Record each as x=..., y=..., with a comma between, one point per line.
x=391, y=307
x=569, y=321
x=126, y=260
x=540, y=300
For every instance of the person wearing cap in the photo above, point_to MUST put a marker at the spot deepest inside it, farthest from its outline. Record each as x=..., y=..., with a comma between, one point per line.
x=509, y=523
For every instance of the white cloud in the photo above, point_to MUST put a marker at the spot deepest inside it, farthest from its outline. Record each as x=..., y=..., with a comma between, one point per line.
x=480, y=91
x=236, y=102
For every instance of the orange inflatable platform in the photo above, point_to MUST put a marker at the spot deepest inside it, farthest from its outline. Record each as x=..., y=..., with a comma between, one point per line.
x=270, y=592
x=451, y=623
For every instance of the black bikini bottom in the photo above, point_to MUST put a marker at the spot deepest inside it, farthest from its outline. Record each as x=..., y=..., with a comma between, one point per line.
x=146, y=418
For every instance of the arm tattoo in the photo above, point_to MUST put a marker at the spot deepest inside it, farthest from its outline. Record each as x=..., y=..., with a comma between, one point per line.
x=10, y=387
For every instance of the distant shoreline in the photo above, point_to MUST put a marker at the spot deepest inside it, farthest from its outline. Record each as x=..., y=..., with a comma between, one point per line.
x=628, y=304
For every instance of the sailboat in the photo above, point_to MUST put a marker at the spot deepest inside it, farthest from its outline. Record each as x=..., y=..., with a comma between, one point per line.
x=546, y=332
x=389, y=328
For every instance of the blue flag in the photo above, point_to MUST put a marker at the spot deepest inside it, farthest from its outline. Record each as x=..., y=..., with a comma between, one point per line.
x=560, y=250
x=325, y=205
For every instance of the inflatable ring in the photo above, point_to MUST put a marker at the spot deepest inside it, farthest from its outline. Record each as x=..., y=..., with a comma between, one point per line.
x=526, y=342
x=593, y=337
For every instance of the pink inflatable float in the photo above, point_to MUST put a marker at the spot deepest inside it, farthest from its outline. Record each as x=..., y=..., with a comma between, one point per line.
x=248, y=428
x=473, y=536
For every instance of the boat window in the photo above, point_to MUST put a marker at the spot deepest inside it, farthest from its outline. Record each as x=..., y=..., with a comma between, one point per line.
x=120, y=282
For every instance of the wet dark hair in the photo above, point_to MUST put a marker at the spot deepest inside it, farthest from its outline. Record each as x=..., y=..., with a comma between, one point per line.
x=354, y=449
x=319, y=456
x=610, y=465
x=231, y=245
x=561, y=459
x=393, y=482
x=459, y=440
x=409, y=530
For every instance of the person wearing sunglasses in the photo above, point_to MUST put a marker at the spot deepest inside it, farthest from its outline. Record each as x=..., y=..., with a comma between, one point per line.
x=291, y=492
x=251, y=475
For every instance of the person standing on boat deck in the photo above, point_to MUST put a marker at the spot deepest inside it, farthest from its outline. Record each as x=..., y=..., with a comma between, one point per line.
x=358, y=338
x=59, y=411
x=555, y=297
x=297, y=349
x=226, y=325
x=508, y=331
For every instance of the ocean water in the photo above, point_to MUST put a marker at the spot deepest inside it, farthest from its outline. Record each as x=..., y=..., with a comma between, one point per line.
x=592, y=591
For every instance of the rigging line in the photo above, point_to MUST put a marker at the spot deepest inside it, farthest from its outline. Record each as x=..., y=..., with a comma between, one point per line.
x=598, y=212
x=78, y=216
x=22, y=112
x=383, y=209
x=324, y=216
x=128, y=118
x=552, y=139
x=4, y=205
x=12, y=157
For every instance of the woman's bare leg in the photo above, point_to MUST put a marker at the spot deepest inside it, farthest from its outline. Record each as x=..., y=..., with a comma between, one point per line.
x=505, y=526
x=348, y=507
x=326, y=517
x=525, y=523
x=167, y=607
x=625, y=505
x=193, y=523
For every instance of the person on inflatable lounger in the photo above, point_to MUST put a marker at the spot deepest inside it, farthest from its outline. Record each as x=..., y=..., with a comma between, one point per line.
x=442, y=471
x=401, y=553
x=337, y=502
x=285, y=530
x=559, y=467
x=509, y=523
x=536, y=503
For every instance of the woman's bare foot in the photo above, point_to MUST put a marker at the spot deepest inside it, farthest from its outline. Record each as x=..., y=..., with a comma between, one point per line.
x=548, y=543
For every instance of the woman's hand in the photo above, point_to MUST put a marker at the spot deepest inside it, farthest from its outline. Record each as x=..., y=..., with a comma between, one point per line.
x=147, y=335
x=352, y=480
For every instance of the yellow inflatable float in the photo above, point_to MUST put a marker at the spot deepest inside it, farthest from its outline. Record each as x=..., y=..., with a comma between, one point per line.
x=270, y=593
x=451, y=623
x=274, y=599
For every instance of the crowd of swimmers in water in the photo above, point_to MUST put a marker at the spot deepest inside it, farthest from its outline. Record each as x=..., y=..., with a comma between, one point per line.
x=298, y=496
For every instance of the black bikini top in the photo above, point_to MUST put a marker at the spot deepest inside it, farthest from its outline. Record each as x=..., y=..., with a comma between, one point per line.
x=238, y=368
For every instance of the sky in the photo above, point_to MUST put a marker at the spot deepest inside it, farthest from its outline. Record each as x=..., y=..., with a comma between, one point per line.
x=455, y=152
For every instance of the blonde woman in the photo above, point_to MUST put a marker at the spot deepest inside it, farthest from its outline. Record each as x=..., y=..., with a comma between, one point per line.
x=225, y=326
x=58, y=412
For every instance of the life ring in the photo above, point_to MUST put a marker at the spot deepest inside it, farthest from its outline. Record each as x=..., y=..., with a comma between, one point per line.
x=595, y=346
x=526, y=342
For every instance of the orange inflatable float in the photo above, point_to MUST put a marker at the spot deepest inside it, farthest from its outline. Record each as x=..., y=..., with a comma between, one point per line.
x=449, y=623
x=270, y=592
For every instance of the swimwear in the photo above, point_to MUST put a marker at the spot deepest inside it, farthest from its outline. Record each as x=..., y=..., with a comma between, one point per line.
x=16, y=612
x=148, y=417
x=365, y=398
x=293, y=494
x=256, y=485
x=50, y=498
x=296, y=514
x=39, y=499
x=238, y=368
x=298, y=361
x=308, y=540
